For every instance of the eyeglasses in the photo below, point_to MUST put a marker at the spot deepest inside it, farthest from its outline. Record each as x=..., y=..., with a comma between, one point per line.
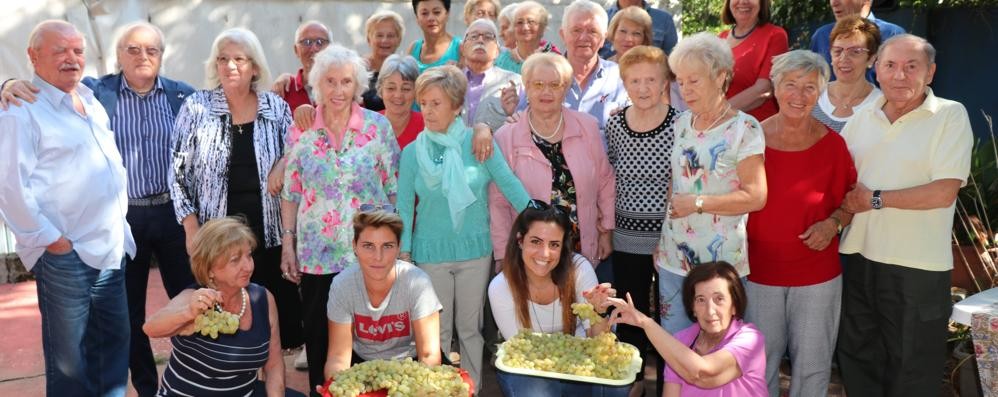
x=135, y=50
x=528, y=22
x=851, y=52
x=366, y=207
x=319, y=43
x=486, y=37
x=239, y=60
x=539, y=205
x=541, y=85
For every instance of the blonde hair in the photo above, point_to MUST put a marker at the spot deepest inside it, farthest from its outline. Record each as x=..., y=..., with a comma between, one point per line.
x=214, y=241
x=708, y=49
x=448, y=78
x=249, y=43
x=636, y=15
x=376, y=220
x=469, y=7
x=558, y=62
x=381, y=16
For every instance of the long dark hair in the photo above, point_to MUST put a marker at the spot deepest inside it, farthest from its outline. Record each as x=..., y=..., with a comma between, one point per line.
x=563, y=275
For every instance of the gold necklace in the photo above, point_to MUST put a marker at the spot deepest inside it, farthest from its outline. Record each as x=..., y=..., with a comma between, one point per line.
x=693, y=124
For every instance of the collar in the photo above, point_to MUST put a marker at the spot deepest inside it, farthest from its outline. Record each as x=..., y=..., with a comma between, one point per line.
x=929, y=104
x=522, y=135
x=300, y=78
x=355, y=123
x=157, y=86
x=56, y=96
x=482, y=76
x=218, y=106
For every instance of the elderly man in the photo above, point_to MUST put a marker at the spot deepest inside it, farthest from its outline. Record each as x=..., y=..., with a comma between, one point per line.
x=142, y=106
x=820, y=41
x=492, y=92
x=310, y=38
x=912, y=153
x=663, y=28
x=64, y=198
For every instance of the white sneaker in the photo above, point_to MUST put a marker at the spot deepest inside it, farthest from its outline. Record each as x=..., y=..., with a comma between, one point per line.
x=301, y=362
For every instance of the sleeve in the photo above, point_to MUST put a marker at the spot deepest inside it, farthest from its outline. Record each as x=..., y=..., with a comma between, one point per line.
x=406, y=199
x=671, y=35
x=606, y=199
x=585, y=276
x=501, y=213
x=338, y=304
x=426, y=301
x=752, y=142
x=18, y=205
x=746, y=345
x=506, y=180
x=181, y=171
x=503, y=308
x=388, y=161
x=950, y=157
x=777, y=45
x=285, y=123
x=293, y=189
x=491, y=113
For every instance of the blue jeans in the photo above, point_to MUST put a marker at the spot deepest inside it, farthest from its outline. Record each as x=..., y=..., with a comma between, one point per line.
x=84, y=327
x=516, y=385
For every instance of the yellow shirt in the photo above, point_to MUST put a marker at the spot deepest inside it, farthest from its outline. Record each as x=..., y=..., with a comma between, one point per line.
x=932, y=142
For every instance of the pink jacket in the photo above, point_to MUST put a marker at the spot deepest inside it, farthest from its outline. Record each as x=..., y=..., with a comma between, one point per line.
x=595, y=183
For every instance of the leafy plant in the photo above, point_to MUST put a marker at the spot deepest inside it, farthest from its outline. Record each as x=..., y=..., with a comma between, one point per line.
x=976, y=206
x=947, y=3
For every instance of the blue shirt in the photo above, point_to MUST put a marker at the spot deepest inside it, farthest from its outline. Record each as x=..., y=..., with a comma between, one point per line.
x=603, y=94
x=62, y=176
x=142, y=130
x=821, y=41
x=663, y=30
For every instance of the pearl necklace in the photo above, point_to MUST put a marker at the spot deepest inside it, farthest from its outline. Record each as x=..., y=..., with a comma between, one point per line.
x=561, y=121
x=704, y=131
x=242, y=310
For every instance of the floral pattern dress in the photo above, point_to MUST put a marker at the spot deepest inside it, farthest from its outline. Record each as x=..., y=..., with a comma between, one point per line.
x=330, y=185
x=705, y=163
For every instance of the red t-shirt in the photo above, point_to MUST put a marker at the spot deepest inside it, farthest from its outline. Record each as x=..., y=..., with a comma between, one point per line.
x=753, y=61
x=804, y=187
x=297, y=95
x=411, y=131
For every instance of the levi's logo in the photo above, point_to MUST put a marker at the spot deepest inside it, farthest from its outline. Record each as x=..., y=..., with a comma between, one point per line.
x=385, y=328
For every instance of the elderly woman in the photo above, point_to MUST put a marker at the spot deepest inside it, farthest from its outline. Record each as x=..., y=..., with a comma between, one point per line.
x=719, y=355
x=717, y=174
x=795, y=285
x=450, y=238
x=437, y=47
x=540, y=280
x=754, y=41
x=347, y=158
x=481, y=9
x=855, y=41
x=629, y=27
x=632, y=136
x=385, y=30
x=506, y=26
x=558, y=155
x=225, y=142
x=397, y=86
x=529, y=22
x=222, y=263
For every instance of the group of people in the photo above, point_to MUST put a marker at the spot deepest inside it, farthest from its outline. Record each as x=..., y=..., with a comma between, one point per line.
x=724, y=201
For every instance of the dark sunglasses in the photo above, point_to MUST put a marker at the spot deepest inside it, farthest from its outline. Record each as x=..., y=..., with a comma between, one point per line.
x=539, y=205
x=321, y=43
x=371, y=208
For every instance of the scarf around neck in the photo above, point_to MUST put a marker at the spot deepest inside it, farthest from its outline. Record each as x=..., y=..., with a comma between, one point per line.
x=449, y=174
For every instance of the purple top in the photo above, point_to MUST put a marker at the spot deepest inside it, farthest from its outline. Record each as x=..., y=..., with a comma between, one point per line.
x=746, y=343
x=476, y=86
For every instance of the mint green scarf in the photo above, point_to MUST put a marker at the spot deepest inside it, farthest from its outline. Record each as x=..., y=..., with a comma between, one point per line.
x=449, y=175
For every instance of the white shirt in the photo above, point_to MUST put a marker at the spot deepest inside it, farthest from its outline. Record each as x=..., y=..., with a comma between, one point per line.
x=63, y=176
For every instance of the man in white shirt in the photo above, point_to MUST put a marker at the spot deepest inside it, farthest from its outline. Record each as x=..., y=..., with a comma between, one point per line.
x=64, y=198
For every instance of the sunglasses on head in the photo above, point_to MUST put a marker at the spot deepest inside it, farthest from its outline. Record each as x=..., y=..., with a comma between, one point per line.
x=539, y=205
x=384, y=207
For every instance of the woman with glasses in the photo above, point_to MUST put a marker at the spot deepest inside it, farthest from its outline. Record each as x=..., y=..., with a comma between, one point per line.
x=450, y=238
x=437, y=47
x=855, y=41
x=225, y=142
x=541, y=278
x=346, y=159
x=558, y=155
x=530, y=19
x=385, y=30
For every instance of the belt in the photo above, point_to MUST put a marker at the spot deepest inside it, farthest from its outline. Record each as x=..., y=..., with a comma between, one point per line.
x=158, y=199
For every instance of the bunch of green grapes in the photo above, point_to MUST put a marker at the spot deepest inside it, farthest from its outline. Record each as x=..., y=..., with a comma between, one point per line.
x=600, y=356
x=401, y=378
x=214, y=322
x=586, y=311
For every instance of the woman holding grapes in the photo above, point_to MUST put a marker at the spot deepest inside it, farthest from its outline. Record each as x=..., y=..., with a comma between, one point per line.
x=540, y=280
x=223, y=304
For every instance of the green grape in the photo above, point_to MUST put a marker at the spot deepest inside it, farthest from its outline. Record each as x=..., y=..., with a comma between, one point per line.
x=586, y=311
x=600, y=356
x=401, y=378
x=213, y=322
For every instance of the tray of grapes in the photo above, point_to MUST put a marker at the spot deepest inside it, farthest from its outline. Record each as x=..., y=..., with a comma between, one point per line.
x=601, y=359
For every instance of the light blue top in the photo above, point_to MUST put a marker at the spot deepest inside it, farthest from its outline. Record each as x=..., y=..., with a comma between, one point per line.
x=451, y=55
x=433, y=239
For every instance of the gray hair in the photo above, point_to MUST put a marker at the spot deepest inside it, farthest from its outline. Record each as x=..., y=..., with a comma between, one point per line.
x=530, y=5
x=800, y=61
x=35, y=37
x=250, y=44
x=385, y=15
x=448, y=78
x=469, y=7
x=306, y=24
x=489, y=25
x=404, y=65
x=927, y=48
x=707, y=49
x=590, y=8
x=337, y=55
x=507, y=12
x=125, y=31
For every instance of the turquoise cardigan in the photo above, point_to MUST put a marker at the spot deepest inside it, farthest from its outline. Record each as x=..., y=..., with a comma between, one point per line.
x=433, y=239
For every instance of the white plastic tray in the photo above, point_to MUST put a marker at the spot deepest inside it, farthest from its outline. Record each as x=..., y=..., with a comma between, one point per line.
x=632, y=370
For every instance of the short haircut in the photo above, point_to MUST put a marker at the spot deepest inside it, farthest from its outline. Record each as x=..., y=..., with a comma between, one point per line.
x=250, y=44
x=126, y=30
x=337, y=55
x=448, y=78
x=470, y=5
x=765, y=13
x=214, y=241
x=558, y=62
x=542, y=13
x=709, y=50
x=415, y=4
x=405, y=65
x=590, y=8
x=802, y=61
x=301, y=29
x=507, y=13
x=927, y=48
x=856, y=25
x=491, y=26
x=709, y=271
x=635, y=15
x=645, y=54
x=381, y=16
x=375, y=220
x=35, y=37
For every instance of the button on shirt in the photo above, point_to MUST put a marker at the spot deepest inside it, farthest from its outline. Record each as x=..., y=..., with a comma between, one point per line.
x=63, y=176
x=142, y=128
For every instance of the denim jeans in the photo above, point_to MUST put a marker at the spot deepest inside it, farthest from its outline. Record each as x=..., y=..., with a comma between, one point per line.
x=84, y=327
x=516, y=385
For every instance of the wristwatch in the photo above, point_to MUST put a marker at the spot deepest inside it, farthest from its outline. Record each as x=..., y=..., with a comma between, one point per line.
x=876, y=202
x=699, y=203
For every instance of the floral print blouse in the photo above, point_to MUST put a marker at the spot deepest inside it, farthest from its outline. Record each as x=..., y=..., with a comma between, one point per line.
x=562, y=184
x=705, y=163
x=329, y=184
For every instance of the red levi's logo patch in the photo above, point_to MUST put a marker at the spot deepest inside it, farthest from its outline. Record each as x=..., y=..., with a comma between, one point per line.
x=385, y=328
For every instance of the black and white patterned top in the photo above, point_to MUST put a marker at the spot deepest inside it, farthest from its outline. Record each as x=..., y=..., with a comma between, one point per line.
x=641, y=162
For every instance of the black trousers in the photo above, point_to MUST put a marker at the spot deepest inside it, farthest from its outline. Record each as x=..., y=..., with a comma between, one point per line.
x=892, y=337
x=635, y=274
x=314, y=294
x=267, y=272
x=156, y=233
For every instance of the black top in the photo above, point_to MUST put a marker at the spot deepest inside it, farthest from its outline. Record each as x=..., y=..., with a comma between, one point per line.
x=244, y=180
x=372, y=101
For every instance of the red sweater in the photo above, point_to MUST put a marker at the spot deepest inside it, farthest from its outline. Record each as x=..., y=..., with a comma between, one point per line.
x=753, y=61
x=804, y=187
